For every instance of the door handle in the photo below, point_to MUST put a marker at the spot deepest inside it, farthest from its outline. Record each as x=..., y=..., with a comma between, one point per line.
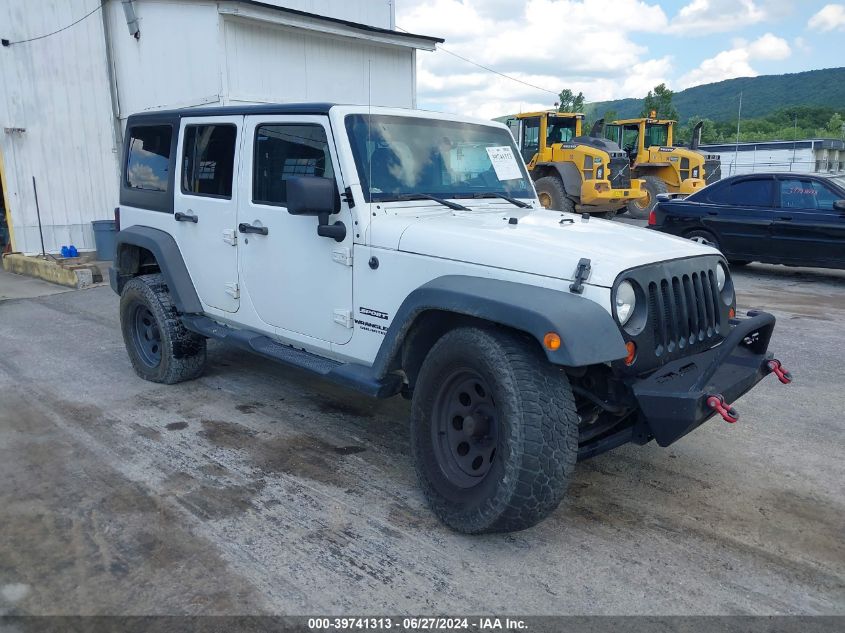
x=712, y=213
x=184, y=217
x=249, y=228
x=786, y=218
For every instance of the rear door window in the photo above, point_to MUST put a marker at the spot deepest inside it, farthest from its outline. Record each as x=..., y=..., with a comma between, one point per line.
x=148, y=164
x=801, y=193
x=208, y=160
x=754, y=192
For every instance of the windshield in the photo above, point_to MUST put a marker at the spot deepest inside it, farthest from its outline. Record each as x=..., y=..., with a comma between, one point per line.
x=560, y=130
x=403, y=156
x=656, y=134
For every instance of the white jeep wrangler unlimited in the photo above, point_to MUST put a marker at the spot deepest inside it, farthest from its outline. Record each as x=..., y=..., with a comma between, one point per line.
x=396, y=251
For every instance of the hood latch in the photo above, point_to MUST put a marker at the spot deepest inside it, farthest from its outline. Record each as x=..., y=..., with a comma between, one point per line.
x=582, y=274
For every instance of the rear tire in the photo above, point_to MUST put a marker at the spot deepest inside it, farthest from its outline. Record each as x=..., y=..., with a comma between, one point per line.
x=641, y=209
x=704, y=237
x=160, y=348
x=553, y=196
x=494, y=431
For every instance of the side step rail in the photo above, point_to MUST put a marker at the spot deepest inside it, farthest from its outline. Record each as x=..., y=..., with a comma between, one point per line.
x=351, y=375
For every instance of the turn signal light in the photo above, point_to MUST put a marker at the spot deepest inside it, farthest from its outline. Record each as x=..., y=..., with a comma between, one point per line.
x=552, y=341
x=632, y=353
x=731, y=313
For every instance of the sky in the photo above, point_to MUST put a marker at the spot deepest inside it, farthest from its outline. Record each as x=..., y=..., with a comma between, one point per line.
x=609, y=49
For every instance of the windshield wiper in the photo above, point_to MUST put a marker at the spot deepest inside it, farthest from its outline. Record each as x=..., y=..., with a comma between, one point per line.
x=425, y=196
x=493, y=194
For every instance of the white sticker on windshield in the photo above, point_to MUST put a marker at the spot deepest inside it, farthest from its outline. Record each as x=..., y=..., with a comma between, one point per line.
x=504, y=163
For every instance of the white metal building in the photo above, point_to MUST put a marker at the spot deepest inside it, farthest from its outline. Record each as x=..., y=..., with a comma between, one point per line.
x=64, y=98
x=806, y=156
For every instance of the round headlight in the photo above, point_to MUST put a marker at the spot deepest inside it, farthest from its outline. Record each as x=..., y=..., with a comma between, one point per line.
x=626, y=300
x=721, y=276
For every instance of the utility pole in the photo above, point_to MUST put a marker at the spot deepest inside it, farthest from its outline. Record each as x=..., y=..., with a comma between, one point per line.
x=794, y=139
x=738, y=119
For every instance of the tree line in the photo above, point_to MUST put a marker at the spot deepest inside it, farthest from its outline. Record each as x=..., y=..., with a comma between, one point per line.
x=787, y=123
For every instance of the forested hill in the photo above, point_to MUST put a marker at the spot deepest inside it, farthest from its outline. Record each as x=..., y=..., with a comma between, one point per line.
x=760, y=96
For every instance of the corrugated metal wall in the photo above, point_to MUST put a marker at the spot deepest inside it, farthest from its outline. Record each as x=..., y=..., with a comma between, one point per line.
x=56, y=90
x=378, y=13
x=271, y=63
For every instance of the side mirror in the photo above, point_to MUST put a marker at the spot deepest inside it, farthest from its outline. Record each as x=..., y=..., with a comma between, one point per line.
x=839, y=205
x=313, y=195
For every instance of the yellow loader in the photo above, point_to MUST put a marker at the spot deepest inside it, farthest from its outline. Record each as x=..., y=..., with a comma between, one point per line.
x=663, y=168
x=573, y=172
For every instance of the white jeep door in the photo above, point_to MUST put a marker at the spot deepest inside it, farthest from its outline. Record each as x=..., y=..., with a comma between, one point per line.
x=205, y=206
x=296, y=280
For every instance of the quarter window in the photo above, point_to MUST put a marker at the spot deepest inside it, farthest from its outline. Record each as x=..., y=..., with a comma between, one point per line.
x=208, y=159
x=745, y=193
x=284, y=151
x=148, y=165
x=806, y=194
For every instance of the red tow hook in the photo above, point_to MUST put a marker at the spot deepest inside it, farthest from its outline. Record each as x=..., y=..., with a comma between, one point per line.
x=728, y=413
x=777, y=368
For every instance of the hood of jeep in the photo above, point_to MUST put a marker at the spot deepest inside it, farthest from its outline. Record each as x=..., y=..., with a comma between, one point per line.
x=538, y=243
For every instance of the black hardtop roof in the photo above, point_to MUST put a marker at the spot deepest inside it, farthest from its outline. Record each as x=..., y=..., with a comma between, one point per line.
x=232, y=110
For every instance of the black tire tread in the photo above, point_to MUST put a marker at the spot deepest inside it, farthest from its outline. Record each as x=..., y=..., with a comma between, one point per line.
x=547, y=429
x=183, y=353
x=655, y=187
x=554, y=186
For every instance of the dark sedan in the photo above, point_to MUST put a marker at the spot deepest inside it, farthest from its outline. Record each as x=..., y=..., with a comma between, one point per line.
x=783, y=218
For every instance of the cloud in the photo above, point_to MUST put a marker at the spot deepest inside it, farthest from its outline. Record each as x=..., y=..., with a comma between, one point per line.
x=736, y=62
x=587, y=50
x=702, y=17
x=831, y=16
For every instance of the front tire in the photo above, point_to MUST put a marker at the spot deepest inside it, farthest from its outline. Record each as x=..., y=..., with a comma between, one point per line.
x=552, y=195
x=640, y=209
x=494, y=431
x=160, y=348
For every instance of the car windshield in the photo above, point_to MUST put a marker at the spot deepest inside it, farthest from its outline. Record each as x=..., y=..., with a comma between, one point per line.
x=656, y=134
x=399, y=156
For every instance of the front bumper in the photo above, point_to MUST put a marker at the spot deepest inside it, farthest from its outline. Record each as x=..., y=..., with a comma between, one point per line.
x=674, y=399
x=599, y=193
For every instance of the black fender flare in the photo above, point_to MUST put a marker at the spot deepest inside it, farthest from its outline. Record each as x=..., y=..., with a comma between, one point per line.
x=170, y=262
x=569, y=175
x=589, y=333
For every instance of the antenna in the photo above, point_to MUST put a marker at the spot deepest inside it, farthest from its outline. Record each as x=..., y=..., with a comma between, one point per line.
x=370, y=126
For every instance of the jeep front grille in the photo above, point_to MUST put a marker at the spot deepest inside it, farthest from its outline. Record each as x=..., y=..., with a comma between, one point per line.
x=684, y=315
x=684, y=311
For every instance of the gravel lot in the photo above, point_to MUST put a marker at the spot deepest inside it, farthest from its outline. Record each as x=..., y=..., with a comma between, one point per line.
x=257, y=489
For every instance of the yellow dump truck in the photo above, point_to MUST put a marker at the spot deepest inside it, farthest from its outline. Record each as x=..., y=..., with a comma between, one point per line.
x=663, y=168
x=571, y=171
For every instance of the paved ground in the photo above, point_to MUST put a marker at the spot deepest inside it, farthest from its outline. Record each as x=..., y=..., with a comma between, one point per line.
x=258, y=490
x=14, y=286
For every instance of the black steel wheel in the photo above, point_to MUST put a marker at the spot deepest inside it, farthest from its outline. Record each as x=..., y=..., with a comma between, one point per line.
x=465, y=432
x=160, y=348
x=494, y=430
x=146, y=335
